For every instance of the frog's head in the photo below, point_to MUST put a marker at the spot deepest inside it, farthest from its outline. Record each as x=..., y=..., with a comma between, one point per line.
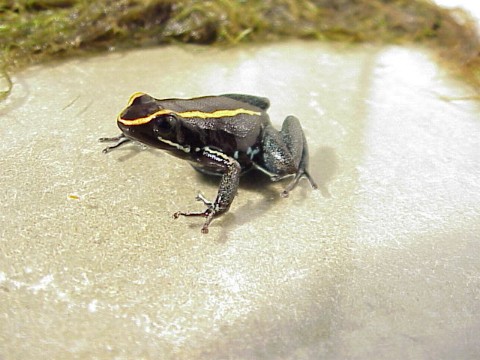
x=146, y=121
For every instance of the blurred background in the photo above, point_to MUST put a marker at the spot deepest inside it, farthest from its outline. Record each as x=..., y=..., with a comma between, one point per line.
x=38, y=30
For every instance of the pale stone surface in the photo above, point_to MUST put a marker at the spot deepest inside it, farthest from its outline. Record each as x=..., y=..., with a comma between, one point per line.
x=382, y=262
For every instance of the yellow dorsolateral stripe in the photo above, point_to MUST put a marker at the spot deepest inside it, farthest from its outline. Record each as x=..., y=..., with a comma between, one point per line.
x=190, y=114
x=134, y=97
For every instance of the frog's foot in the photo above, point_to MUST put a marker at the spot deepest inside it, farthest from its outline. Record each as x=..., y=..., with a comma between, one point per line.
x=208, y=213
x=296, y=179
x=119, y=140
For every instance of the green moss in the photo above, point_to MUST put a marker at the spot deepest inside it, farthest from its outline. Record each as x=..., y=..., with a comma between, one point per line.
x=37, y=30
x=5, y=84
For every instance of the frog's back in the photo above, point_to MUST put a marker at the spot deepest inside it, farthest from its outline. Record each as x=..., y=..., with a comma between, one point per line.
x=211, y=104
x=234, y=113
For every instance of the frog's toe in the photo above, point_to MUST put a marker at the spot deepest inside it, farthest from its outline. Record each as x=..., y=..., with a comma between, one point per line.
x=208, y=213
x=293, y=184
x=203, y=199
x=285, y=193
x=312, y=182
x=205, y=229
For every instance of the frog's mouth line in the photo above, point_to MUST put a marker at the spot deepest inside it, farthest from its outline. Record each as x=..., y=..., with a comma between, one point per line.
x=174, y=144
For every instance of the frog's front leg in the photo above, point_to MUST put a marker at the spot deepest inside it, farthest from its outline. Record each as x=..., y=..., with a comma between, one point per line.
x=231, y=169
x=119, y=140
x=285, y=153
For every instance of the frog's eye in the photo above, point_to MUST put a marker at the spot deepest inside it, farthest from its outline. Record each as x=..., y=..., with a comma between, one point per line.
x=164, y=125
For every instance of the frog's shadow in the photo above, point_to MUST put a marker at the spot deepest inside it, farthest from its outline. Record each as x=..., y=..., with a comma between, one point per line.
x=324, y=166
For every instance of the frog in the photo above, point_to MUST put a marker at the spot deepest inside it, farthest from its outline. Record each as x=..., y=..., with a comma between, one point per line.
x=225, y=135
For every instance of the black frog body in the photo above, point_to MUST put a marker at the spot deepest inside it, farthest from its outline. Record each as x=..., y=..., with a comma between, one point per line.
x=223, y=135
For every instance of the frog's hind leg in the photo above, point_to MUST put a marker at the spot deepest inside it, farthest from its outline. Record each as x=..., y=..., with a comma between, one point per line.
x=286, y=153
x=294, y=138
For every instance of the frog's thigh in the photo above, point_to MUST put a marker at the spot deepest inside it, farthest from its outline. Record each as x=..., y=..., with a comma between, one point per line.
x=277, y=156
x=294, y=139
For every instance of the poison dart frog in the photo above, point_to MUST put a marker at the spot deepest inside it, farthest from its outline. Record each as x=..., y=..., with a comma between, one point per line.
x=223, y=135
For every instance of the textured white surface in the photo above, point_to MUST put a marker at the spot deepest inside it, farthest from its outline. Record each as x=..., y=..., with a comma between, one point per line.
x=382, y=262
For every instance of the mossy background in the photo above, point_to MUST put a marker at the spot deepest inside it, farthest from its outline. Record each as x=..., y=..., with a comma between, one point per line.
x=33, y=31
